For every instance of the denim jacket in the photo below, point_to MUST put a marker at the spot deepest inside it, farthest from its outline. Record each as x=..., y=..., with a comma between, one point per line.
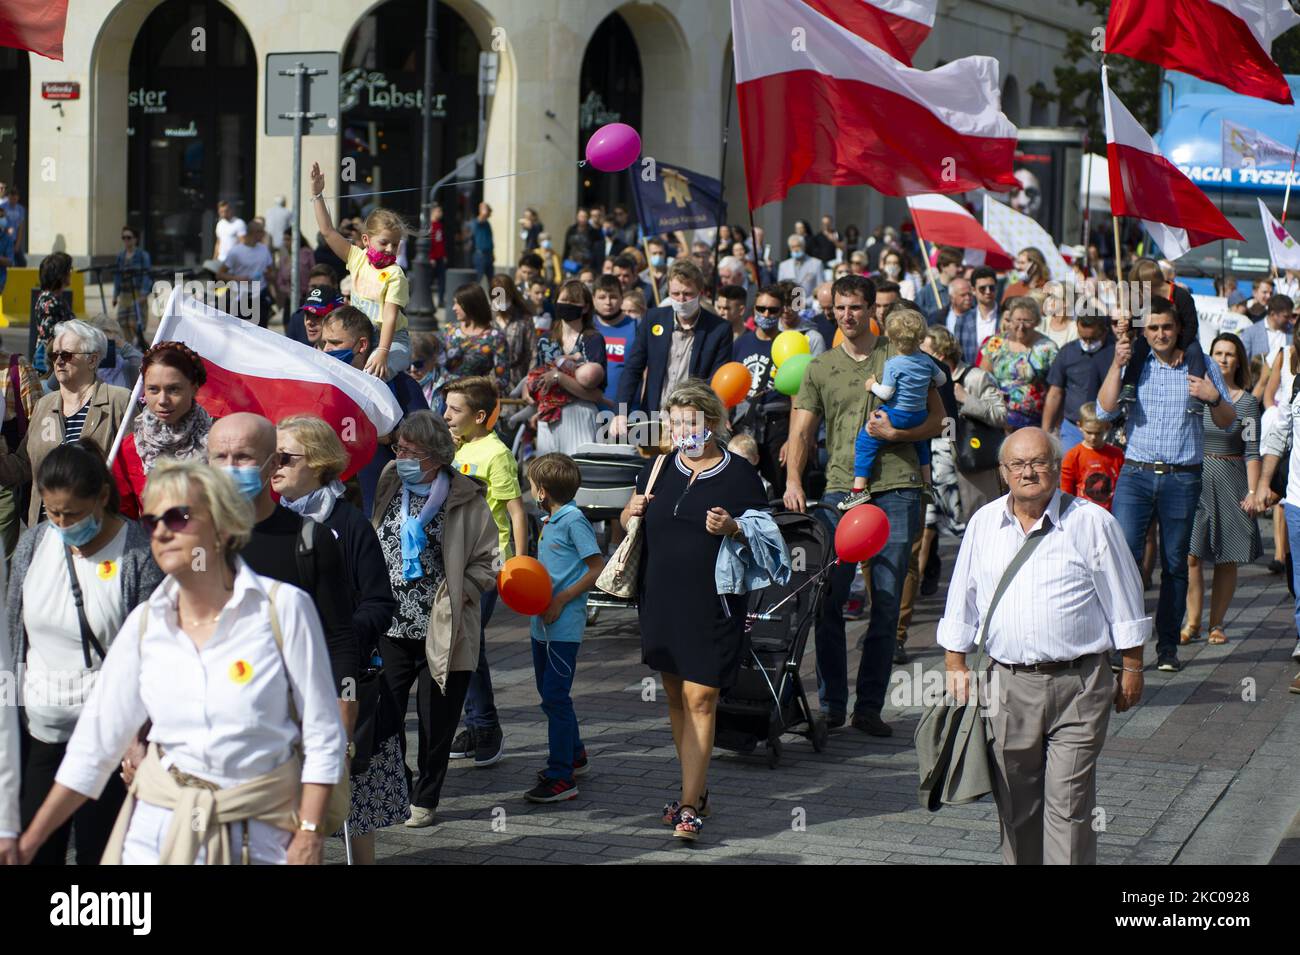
x=758, y=562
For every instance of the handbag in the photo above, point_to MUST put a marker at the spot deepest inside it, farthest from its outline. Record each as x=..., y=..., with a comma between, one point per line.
x=952, y=738
x=978, y=443
x=1281, y=473
x=619, y=578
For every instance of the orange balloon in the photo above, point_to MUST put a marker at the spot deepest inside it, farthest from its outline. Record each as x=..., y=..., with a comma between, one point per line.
x=875, y=327
x=839, y=338
x=731, y=383
x=524, y=586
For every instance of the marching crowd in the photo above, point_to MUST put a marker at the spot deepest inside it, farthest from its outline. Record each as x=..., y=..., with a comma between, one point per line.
x=243, y=628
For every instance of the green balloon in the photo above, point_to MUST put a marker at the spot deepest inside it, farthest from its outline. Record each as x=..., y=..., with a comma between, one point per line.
x=790, y=375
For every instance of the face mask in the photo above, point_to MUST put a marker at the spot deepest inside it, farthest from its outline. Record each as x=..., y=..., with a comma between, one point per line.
x=608, y=230
x=657, y=261
x=892, y=271
x=566, y=312
x=1089, y=347
x=692, y=445
x=546, y=243
x=248, y=480
x=767, y=322
x=82, y=532
x=687, y=308
x=523, y=234
x=798, y=255
x=410, y=471
x=380, y=260
x=342, y=354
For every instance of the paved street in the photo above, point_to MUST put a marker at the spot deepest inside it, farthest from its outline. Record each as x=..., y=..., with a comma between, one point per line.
x=1195, y=774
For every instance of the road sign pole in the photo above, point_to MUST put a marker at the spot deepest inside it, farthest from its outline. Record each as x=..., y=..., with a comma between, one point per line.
x=295, y=212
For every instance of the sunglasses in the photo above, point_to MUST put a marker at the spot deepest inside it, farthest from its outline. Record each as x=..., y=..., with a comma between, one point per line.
x=61, y=356
x=175, y=519
x=285, y=458
x=769, y=310
x=985, y=288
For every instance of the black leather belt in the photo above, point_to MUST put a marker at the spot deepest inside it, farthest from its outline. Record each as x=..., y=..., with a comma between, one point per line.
x=1160, y=467
x=1047, y=666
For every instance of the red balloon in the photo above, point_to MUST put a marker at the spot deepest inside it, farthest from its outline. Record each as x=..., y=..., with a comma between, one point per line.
x=862, y=534
x=525, y=586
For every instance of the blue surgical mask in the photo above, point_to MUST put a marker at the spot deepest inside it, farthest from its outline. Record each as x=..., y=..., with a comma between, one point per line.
x=247, y=479
x=411, y=472
x=657, y=261
x=546, y=243
x=798, y=255
x=767, y=322
x=82, y=532
x=342, y=354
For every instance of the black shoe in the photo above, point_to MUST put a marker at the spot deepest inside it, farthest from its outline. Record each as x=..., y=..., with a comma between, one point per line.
x=580, y=766
x=1168, y=662
x=462, y=747
x=1116, y=661
x=489, y=747
x=1276, y=567
x=871, y=724
x=929, y=586
x=552, y=790
x=900, y=653
x=833, y=720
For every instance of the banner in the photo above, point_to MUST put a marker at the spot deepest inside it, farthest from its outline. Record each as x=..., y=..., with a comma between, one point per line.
x=675, y=198
x=1282, y=249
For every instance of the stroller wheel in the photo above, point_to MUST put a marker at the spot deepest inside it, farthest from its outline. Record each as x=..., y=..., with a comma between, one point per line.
x=819, y=734
x=773, y=752
x=592, y=614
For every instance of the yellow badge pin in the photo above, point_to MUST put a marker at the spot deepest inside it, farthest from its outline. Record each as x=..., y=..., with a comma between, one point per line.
x=241, y=671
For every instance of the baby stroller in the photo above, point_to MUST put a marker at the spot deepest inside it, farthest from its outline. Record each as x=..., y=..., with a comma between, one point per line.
x=768, y=698
x=609, y=473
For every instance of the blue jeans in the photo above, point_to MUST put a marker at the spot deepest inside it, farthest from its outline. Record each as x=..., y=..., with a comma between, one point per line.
x=1141, y=495
x=887, y=572
x=1293, y=531
x=483, y=264
x=866, y=447
x=480, y=704
x=554, y=664
x=1070, y=435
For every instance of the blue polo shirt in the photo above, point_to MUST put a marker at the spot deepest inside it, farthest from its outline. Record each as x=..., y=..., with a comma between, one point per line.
x=567, y=541
x=1080, y=374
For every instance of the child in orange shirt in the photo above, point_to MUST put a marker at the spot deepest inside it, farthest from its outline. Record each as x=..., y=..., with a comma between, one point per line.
x=1091, y=469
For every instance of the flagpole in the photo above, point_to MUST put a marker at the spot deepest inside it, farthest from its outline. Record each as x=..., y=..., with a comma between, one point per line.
x=1287, y=198
x=133, y=405
x=722, y=177
x=654, y=285
x=929, y=269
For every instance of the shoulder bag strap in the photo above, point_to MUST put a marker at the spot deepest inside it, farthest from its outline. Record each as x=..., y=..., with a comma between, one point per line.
x=1022, y=557
x=15, y=379
x=88, y=639
x=279, y=646
x=654, y=472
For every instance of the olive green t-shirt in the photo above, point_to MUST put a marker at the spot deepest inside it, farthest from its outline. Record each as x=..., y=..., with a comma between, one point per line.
x=834, y=388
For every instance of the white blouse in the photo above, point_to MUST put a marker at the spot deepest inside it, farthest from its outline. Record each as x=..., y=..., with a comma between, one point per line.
x=9, y=746
x=221, y=713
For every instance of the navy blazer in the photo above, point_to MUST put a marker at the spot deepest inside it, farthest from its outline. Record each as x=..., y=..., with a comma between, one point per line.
x=647, y=359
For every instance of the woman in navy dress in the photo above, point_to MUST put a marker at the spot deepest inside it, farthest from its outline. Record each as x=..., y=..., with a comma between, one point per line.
x=689, y=632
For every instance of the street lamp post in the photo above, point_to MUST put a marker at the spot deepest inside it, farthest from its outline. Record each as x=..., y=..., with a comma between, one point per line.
x=420, y=310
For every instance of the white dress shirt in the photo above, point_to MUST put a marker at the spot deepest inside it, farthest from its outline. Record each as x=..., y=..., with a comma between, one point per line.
x=221, y=713
x=1079, y=593
x=985, y=327
x=9, y=746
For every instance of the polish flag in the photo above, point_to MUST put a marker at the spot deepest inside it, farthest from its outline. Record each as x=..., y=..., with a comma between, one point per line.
x=1144, y=184
x=258, y=370
x=35, y=25
x=826, y=106
x=943, y=221
x=896, y=26
x=1224, y=41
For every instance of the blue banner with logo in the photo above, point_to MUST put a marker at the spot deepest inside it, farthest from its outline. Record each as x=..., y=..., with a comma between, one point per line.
x=670, y=197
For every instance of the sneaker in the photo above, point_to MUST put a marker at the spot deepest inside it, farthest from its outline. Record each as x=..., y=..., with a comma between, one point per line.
x=900, y=653
x=929, y=586
x=854, y=499
x=552, y=790
x=1276, y=567
x=855, y=608
x=580, y=767
x=1295, y=684
x=871, y=724
x=462, y=747
x=833, y=720
x=489, y=747
x=1168, y=663
x=1295, y=654
x=421, y=818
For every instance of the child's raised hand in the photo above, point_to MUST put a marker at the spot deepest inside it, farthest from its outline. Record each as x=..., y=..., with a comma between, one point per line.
x=377, y=364
x=317, y=179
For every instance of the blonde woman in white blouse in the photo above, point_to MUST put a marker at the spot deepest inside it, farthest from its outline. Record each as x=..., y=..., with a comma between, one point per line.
x=245, y=740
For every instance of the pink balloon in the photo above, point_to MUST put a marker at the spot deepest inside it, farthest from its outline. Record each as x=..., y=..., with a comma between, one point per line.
x=613, y=147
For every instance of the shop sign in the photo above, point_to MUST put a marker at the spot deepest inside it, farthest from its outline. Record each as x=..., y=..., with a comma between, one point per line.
x=372, y=89
x=151, y=101
x=60, y=91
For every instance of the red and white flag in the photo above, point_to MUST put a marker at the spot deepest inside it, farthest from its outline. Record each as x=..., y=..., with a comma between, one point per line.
x=898, y=27
x=818, y=103
x=255, y=369
x=35, y=25
x=943, y=221
x=1144, y=184
x=1228, y=42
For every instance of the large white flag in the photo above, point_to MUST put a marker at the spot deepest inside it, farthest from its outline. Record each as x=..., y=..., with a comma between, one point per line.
x=1015, y=231
x=1283, y=251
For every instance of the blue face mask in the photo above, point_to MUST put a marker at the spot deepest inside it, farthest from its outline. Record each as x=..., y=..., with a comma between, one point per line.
x=82, y=532
x=767, y=322
x=411, y=472
x=798, y=255
x=248, y=480
x=657, y=261
x=342, y=354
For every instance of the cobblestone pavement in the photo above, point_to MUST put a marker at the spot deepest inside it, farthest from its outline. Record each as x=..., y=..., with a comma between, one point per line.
x=1204, y=770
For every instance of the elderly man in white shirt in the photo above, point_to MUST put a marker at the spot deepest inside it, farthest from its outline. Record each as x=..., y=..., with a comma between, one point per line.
x=800, y=268
x=1077, y=598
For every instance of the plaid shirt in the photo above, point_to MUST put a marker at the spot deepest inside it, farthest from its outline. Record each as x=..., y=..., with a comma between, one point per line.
x=1160, y=429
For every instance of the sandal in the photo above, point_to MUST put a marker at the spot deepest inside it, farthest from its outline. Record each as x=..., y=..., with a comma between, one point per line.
x=672, y=810
x=1189, y=633
x=689, y=824
x=1217, y=636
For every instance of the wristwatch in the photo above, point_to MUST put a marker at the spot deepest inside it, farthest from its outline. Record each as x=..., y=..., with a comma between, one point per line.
x=306, y=826
x=1216, y=402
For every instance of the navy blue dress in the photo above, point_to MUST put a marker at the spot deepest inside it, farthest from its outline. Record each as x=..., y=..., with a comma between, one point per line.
x=687, y=628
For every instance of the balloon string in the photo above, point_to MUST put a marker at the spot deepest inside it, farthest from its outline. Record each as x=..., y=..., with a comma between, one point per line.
x=457, y=182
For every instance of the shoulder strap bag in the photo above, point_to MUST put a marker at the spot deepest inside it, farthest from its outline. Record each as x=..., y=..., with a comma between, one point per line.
x=619, y=578
x=977, y=443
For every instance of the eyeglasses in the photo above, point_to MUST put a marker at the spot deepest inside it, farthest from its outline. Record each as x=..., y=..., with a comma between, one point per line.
x=61, y=356
x=986, y=288
x=769, y=309
x=127, y=238
x=285, y=458
x=175, y=519
x=1020, y=467
x=403, y=452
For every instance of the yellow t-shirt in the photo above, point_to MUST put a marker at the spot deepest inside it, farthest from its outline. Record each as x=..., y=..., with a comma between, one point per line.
x=488, y=459
x=373, y=288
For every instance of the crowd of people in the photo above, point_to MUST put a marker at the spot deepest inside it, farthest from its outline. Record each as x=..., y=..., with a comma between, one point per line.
x=244, y=611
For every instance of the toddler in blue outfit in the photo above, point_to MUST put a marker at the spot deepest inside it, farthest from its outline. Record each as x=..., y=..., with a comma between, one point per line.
x=904, y=388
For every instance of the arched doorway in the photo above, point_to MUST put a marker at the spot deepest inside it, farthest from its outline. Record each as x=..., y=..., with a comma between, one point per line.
x=381, y=99
x=191, y=113
x=609, y=91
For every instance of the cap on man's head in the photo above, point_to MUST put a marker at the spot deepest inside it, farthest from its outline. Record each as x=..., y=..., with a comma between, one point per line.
x=322, y=300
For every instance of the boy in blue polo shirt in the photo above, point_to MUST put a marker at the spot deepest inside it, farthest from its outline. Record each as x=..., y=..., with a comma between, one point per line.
x=570, y=554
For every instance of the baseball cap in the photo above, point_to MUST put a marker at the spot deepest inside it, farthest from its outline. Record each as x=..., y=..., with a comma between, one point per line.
x=322, y=300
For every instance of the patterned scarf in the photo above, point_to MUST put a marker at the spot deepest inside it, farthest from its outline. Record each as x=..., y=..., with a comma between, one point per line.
x=155, y=438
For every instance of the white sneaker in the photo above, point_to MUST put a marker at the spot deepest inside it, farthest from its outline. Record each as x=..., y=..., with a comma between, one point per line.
x=420, y=818
x=1295, y=654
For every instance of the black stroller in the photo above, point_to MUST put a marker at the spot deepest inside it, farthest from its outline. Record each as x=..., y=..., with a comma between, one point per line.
x=768, y=699
x=609, y=473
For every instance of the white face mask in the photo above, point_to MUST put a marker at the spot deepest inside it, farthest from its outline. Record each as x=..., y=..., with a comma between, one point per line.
x=892, y=270
x=687, y=308
x=1089, y=347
